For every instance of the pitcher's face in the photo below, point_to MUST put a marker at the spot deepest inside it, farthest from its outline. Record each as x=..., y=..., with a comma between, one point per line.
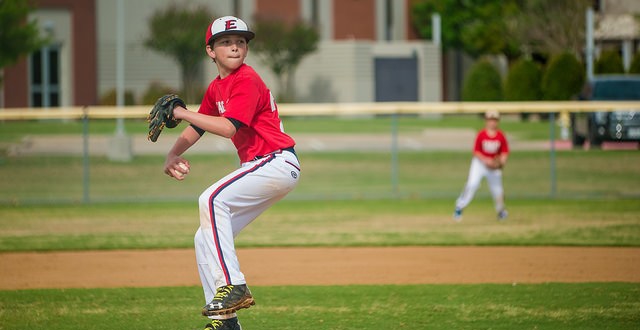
x=229, y=53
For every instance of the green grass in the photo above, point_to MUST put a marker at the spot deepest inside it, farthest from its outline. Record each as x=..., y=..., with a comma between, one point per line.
x=435, y=174
x=538, y=130
x=325, y=223
x=343, y=200
x=432, y=307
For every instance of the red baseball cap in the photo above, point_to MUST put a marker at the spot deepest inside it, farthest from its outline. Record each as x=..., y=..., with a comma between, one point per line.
x=228, y=25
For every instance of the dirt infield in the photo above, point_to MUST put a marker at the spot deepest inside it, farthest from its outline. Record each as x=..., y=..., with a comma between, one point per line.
x=326, y=266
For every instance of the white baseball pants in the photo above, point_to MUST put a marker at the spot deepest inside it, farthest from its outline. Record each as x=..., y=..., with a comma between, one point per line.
x=477, y=171
x=231, y=204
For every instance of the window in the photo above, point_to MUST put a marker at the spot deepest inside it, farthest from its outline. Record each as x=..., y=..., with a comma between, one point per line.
x=597, y=6
x=45, y=77
x=315, y=15
x=388, y=21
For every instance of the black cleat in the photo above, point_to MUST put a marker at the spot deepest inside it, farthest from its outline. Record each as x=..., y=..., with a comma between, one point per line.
x=229, y=324
x=229, y=299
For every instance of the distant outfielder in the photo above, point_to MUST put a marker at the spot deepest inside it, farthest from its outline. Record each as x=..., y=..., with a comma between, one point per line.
x=490, y=154
x=237, y=105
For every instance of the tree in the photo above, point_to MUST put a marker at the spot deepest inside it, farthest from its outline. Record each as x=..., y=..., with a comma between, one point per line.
x=17, y=36
x=178, y=31
x=282, y=47
x=476, y=27
x=550, y=26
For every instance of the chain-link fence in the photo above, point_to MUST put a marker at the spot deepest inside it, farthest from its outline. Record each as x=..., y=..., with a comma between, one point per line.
x=358, y=156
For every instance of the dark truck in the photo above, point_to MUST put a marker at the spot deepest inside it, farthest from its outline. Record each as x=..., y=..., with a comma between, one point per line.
x=597, y=127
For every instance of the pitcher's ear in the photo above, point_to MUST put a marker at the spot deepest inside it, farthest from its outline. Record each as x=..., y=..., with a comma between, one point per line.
x=211, y=52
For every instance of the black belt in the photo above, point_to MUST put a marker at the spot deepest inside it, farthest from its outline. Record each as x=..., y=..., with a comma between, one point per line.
x=290, y=149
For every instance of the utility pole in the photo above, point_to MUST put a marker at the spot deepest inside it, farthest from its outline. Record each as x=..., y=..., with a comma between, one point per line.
x=589, y=43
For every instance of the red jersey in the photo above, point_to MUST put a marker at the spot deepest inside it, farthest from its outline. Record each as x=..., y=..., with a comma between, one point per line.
x=491, y=146
x=243, y=96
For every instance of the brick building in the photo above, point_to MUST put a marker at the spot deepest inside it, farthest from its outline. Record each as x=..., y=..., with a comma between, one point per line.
x=368, y=52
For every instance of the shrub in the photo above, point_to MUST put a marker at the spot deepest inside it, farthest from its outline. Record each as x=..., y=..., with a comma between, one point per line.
x=563, y=78
x=523, y=82
x=635, y=64
x=155, y=91
x=109, y=98
x=609, y=62
x=483, y=83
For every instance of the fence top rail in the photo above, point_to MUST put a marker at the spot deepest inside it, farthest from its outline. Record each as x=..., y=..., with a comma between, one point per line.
x=337, y=109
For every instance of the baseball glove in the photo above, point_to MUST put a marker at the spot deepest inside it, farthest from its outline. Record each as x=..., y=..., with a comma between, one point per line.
x=495, y=163
x=162, y=115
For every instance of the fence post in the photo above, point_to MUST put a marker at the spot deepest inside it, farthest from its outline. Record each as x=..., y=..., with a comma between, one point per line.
x=85, y=155
x=552, y=152
x=394, y=154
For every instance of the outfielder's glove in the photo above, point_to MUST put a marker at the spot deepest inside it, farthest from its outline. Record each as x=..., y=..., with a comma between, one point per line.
x=495, y=163
x=162, y=115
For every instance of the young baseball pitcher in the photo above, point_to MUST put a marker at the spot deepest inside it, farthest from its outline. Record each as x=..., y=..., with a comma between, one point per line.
x=236, y=105
x=490, y=154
